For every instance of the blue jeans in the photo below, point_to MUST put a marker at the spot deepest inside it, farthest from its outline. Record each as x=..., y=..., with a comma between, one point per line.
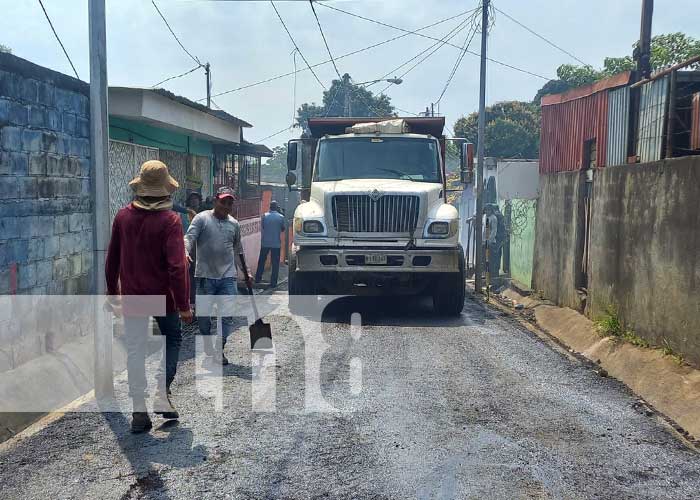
x=136, y=337
x=275, y=264
x=224, y=289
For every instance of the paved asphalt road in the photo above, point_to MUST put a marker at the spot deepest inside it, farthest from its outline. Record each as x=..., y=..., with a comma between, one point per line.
x=420, y=407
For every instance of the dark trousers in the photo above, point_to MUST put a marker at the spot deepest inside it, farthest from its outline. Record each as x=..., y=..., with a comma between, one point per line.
x=137, y=332
x=275, y=252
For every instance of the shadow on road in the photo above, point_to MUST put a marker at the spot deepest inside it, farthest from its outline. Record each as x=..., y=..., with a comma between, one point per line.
x=400, y=311
x=168, y=444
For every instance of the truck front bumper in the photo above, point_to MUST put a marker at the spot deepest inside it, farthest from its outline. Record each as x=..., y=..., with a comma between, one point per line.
x=398, y=260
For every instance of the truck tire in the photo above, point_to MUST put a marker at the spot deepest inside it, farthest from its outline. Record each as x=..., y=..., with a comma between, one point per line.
x=448, y=296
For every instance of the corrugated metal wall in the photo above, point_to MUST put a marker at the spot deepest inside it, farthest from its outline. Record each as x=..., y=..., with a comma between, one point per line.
x=565, y=128
x=652, y=114
x=618, y=125
x=695, y=126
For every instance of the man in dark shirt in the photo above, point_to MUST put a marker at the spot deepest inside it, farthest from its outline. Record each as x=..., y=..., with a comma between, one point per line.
x=146, y=263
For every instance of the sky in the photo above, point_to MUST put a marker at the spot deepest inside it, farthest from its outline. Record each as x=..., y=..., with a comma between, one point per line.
x=245, y=42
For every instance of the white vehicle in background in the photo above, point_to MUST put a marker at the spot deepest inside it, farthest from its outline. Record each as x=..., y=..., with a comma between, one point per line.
x=375, y=220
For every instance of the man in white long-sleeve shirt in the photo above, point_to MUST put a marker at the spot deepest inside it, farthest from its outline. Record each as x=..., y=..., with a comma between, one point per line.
x=217, y=236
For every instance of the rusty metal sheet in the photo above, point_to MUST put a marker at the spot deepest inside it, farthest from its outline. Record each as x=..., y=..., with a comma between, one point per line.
x=567, y=126
x=618, y=125
x=695, y=123
x=652, y=119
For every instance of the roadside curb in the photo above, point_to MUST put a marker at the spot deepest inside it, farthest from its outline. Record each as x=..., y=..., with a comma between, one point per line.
x=672, y=390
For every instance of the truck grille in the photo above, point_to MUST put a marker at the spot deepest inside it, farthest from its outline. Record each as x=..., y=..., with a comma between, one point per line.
x=389, y=214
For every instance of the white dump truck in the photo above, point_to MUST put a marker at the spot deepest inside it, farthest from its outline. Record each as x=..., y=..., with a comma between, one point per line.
x=374, y=219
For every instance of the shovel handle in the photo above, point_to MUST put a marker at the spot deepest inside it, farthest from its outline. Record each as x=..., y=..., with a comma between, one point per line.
x=250, y=288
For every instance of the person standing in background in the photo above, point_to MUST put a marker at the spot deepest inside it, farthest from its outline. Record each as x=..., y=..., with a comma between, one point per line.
x=273, y=225
x=216, y=236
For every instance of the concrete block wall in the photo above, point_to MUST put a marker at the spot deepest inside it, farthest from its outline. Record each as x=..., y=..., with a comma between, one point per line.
x=45, y=197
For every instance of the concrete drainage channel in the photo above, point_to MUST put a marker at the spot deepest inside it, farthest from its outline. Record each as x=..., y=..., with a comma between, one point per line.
x=673, y=397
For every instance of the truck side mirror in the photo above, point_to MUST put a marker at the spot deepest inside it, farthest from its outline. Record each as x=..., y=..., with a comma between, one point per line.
x=291, y=179
x=292, y=155
x=466, y=162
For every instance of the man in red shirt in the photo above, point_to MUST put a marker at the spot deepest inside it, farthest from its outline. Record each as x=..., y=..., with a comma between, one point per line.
x=145, y=264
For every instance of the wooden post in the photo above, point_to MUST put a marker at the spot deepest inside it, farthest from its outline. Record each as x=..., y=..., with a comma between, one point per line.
x=481, y=151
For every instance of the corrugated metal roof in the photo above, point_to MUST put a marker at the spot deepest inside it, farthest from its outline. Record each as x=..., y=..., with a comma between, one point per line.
x=609, y=83
x=567, y=126
x=618, y=125
x=695, y=123
x=652, y=114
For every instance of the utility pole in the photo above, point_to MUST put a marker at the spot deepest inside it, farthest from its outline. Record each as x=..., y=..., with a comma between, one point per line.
x=207, y=71
x=481, y=151
x=99, y=156
x=432, y=109
x=643, y=51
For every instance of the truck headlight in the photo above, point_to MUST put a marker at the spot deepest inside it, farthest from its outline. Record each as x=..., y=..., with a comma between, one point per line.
x=439, y=228
x=312, y=227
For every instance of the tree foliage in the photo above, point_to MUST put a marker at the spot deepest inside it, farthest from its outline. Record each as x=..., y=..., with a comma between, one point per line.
x=275, y=169
x=5, y=48
x=362, y=102
x=512, y=129
x=666, y=50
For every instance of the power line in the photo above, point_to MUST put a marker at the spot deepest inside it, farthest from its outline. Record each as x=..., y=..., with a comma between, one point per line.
x=296, y=46
x=501, y=63
x=58, y=39
x=467, y=43
x=195, y=59
x=260, y=141
x=176, y=76
x=541, y=37
x=448, y=36
x=348, y=54
x=435, y=47
x=311, y=2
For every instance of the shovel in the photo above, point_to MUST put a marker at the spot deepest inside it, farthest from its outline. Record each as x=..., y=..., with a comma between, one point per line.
x=260, y=333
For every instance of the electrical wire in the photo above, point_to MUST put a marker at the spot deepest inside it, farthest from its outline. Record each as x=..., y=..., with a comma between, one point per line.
x=311, y=2
x=58, y=39
x=296, y=46
x=260, y=141
x=435, y=47
x=176, y=76
x=540, y=36
x=467, y=43
x=348, y=54
x=460, y=26
x=501, y=63
x=194, y=58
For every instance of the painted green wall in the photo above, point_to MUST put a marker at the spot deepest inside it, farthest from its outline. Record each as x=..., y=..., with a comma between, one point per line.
x=121, y=129
x=522, y=239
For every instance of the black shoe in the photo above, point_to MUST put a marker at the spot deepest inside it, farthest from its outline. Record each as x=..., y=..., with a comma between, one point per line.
x=140, y=422
x=164, y=407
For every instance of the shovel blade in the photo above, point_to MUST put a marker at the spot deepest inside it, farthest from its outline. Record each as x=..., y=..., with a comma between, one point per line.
x=260, y=335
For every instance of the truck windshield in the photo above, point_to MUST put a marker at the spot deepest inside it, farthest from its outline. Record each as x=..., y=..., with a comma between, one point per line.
x=378, y=158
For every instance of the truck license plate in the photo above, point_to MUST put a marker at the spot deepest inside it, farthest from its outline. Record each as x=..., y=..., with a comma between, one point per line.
x=375, y=259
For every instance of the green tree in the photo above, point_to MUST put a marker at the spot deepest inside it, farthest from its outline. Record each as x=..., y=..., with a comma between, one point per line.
x=666, y=50
x=512, y=129
x=5, y=48
x=362, y=103
x=275, y=169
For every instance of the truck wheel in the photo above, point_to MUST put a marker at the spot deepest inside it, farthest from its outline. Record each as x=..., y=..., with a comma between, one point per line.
x=448, y=296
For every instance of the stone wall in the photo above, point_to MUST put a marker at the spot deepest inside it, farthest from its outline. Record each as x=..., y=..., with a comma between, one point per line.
x=645, y=251
x=644, y=248
x=45, y=204
x=553, y=270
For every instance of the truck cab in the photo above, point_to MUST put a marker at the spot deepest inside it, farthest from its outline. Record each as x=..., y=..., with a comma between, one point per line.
x=374, y=220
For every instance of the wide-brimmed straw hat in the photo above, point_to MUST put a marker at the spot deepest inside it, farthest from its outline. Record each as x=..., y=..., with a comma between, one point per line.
x=154, y=180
